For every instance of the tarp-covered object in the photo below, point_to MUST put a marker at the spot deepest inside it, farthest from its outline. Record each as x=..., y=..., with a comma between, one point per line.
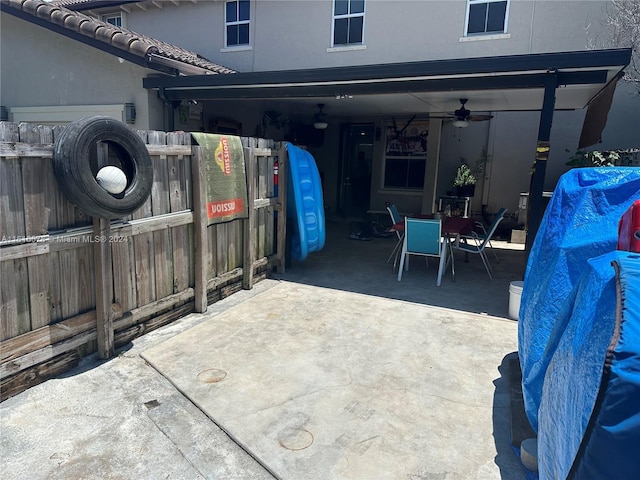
x=590, y=408
x=611, y=446
x=580, y=223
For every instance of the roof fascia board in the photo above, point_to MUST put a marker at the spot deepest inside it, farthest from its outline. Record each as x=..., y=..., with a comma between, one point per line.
x=143, y=62
x=436, y=68
x=442, y=84
x=79, y=7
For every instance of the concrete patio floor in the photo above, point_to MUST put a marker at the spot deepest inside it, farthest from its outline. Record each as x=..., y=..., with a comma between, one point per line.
x=423, y=379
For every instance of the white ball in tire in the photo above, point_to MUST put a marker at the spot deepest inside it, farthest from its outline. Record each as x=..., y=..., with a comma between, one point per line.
x=112, y=179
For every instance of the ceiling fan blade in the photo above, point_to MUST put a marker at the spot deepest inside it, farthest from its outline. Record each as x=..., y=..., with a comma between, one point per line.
x=479, y=118
x=446, y=116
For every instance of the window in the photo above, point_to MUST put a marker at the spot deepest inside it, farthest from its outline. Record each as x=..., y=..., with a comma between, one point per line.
x=348, y=22
x=237, y=23
x=404, y=172
x=406, y=155
x=114, y=19
x=487, y=16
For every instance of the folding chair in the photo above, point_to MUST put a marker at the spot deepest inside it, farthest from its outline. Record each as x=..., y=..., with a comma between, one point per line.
x=481, y=232
x=481, y=243
x=423, y=237
x=395, y=218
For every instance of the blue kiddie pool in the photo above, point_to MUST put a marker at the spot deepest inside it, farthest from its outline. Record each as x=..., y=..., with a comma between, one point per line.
x=305, y=206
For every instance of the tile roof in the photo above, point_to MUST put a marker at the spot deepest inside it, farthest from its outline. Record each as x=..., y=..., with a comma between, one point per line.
x=86, y=4
x=133, y=43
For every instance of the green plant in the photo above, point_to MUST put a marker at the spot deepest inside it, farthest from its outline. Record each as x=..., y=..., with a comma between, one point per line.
x=464, y=176
x=593, y=159
x=467, y=175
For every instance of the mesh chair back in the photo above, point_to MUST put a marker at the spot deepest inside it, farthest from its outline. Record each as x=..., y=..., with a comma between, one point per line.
x=393, y=213
x=423, y=236
x=395, y=217
x=494, y=225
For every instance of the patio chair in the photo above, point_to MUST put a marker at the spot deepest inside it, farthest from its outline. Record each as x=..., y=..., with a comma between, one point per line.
x=481, y=232
x=423, y=237
x=395, y=218
x=480, y=244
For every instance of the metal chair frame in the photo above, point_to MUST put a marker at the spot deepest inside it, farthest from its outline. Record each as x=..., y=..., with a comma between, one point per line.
x=423, y=237
x=481, y=243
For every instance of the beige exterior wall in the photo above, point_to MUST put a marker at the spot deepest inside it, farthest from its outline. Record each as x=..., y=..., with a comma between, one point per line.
x=47, y=69
x=297, y=34
x=40, y=68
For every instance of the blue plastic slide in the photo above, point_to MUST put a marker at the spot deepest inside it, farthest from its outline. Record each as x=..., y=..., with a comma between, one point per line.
x=305, y=206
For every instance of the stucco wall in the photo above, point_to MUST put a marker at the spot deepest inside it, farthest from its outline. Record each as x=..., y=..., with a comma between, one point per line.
x=288, y=34
x=42, y=68
x=47, y=69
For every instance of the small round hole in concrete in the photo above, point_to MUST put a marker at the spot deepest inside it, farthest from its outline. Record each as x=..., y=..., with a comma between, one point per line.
x=295, y=438
x=212, y=375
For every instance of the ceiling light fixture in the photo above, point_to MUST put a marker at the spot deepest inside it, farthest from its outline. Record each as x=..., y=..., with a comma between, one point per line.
x=320, y=118
x=461, y=123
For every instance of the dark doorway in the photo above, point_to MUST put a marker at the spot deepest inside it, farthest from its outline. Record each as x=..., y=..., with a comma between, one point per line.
x=356, y=159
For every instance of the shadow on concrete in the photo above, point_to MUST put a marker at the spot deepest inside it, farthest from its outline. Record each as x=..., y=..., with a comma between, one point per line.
x=506, y=458
x=361, y=267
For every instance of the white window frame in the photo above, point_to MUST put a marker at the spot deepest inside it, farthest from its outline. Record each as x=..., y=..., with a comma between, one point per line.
x=242, y=46
x=106, y=16
x=347, y=15
x=477, y=2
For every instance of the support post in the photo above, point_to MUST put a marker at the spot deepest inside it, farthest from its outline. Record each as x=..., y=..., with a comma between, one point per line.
x=283, y=165
x=199, y=228
x=535, y=205
x=249, y=229
x=104, y=286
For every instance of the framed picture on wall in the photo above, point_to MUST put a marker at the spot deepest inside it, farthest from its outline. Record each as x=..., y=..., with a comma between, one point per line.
x=407, y=138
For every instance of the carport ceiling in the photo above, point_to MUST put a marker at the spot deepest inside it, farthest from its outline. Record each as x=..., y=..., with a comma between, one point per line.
x=507, y=83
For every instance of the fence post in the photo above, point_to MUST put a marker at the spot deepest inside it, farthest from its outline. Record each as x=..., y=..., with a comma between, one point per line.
x=104, y=286
x=281, y=207
x=249, y=244
x=199, y=228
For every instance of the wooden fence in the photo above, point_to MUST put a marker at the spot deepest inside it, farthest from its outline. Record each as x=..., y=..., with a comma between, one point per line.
x=66, y=293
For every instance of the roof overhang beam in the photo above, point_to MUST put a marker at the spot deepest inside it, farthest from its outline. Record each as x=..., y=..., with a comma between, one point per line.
x=317, y=89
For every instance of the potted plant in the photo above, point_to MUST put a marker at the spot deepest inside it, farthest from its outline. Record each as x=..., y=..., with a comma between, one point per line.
x=465, y=181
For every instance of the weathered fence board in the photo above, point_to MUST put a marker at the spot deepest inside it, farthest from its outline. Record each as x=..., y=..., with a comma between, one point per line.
x=162, y=238
x=36, y=177
x=124, y=291
x=161, y=262
x=200, y=227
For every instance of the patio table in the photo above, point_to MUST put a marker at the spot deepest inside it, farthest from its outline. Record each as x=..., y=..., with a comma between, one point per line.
x=452, y=229
x=451, y=226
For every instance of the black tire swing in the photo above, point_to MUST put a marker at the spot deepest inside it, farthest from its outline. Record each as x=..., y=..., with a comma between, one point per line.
x=75, y=165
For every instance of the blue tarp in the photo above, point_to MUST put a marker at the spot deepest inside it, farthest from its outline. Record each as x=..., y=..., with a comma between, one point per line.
x=611, y=447
x=574, y=374
x=567, y=311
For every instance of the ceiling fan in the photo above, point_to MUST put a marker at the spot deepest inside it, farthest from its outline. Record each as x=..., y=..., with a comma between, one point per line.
x=320, y=118
x=461, y=117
